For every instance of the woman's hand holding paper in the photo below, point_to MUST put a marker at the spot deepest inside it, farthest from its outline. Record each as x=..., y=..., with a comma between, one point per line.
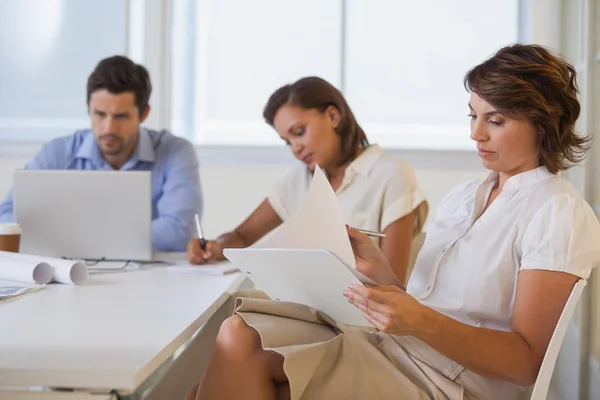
x=389, y=308
x=370, y=261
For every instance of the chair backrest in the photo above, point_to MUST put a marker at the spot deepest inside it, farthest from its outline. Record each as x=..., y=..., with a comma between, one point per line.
x=542, y=383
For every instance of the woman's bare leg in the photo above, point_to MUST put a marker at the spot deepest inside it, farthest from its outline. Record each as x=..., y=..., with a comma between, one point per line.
x=240, y=368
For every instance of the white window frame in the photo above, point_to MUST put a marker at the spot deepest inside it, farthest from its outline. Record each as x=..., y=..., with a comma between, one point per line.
x=537, y=23
x=255, y=133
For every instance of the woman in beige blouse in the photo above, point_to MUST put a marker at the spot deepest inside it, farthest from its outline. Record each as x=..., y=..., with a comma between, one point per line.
x=376, y=191
x=488, y=287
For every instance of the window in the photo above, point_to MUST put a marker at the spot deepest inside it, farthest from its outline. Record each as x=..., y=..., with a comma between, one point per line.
x=400, y=63
x=47, y=55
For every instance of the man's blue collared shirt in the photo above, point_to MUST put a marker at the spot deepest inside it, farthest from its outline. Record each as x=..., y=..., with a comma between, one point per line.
x=176, y=192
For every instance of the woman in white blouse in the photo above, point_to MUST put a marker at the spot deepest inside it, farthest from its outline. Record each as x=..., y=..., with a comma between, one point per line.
x=376, y=191
x=495, y=272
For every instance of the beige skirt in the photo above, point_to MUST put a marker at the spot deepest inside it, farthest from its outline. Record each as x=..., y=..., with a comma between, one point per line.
x=324, y=360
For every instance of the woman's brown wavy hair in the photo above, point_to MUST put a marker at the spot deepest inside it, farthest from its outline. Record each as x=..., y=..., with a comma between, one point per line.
x=316, y=93
x=528, y=82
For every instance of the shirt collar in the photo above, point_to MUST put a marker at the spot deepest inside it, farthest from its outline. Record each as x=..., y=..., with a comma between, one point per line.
x=144, y=150
x=89, y=150
x=522, y=180
x=365, y=160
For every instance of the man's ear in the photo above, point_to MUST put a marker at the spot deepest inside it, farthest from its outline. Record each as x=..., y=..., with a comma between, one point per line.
x=145, y=114
x=334, y=116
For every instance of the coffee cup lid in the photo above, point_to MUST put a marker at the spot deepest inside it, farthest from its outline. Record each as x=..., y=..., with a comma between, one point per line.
x=10, y=229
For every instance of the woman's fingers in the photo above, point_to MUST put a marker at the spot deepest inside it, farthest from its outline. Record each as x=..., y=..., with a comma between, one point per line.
x=381, y=306
x=368, y=298
x=214, y=251
x=212, y=248
x=375, y=322
x=195, y=254
x=360, y=242
x=356, y=236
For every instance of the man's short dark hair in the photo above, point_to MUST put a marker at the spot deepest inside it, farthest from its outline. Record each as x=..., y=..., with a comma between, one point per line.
x=118, y=74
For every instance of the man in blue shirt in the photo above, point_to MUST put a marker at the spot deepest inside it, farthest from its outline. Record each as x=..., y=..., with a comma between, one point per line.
x=118, y=91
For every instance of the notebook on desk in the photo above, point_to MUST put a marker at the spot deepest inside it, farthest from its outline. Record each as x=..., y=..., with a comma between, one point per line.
x=309, y=259
x=84, y=214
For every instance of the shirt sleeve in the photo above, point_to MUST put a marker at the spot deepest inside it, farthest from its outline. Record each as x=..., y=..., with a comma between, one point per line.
x=562, y=236
x=403, y=196
x=181, y=198
x=46, y=158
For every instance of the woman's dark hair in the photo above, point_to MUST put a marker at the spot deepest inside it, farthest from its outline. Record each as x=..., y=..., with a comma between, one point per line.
x=316, y=93
x=528, y=82
x=118, y=74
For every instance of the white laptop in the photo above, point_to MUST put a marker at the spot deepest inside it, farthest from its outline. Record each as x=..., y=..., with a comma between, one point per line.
x=91, y=215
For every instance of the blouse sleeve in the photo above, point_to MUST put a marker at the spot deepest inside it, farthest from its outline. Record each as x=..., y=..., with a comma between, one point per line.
x=403, y=196
x=564, y=235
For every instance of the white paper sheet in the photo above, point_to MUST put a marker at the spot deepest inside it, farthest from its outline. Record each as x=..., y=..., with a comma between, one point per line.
x=68, y=271
x=62, y=271
x=317, y=224
x=11, y=290
x=316, y=278
x=14, y=267
x=21, y=275
x=309, y=259
x=218, y=268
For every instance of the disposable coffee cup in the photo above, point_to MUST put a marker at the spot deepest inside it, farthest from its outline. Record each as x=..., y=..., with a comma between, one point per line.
x=10, y=237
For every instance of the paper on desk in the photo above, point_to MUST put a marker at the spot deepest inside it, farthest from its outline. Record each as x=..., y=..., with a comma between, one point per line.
x=218, y=268
x=68, y=271
x=10, y=290
x=14, y=267
x=317, y=224
x=21, y=275
x=17, y=266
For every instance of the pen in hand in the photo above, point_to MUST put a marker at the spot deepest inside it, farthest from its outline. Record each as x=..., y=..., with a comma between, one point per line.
x=200, y=236
x=371, y=233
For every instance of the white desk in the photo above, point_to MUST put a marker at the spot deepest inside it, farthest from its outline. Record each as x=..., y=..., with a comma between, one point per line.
x=108, y=335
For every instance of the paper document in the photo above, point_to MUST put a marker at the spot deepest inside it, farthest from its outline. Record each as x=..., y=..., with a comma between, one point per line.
x=10, y=290
x=22, y=269
x=218, y=268
x=317, y=224
x=315, y=278
x=309, y=259
x=41, y=270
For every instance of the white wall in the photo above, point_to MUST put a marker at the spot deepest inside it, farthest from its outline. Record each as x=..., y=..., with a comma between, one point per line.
x=233, y=189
